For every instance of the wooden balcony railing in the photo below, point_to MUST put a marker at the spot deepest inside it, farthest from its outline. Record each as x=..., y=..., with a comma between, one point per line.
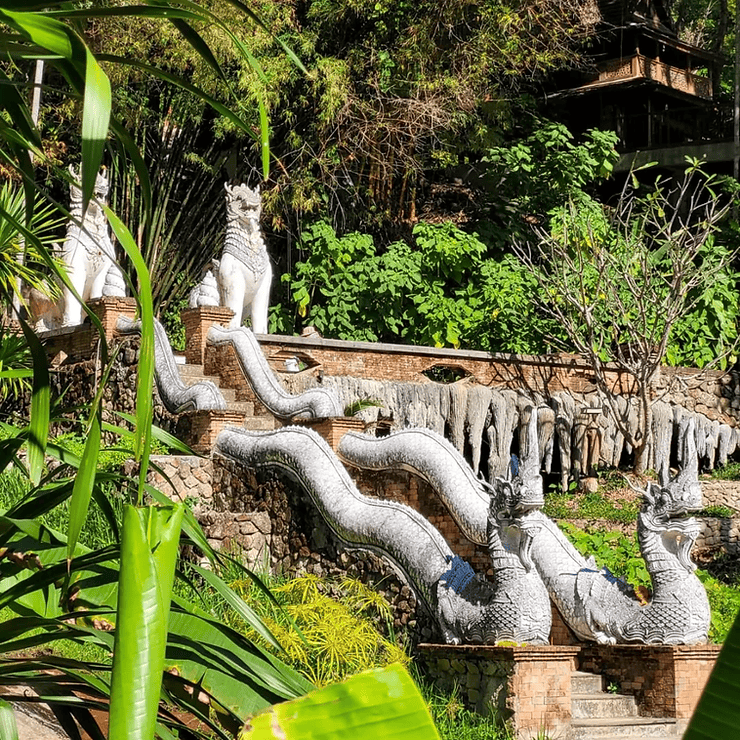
x=641, y=67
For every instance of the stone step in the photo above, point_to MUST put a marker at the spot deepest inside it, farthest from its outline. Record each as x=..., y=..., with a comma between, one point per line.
x=591, y=706
x=586, y=683
x=261, y=423
x=190, y=369
x=246, y=407
x=193, y=379
x=611, y=729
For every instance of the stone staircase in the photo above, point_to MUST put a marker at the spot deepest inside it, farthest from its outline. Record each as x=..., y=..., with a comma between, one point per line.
x=599, y=714
x=191, y=374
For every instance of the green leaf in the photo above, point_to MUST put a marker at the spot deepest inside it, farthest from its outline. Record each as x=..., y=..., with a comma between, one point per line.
x=39, y=427
x=84, y=483
x=148, y=557
x=718, y=714
x=8, y=726
x=95, y=119
x=381, y=703
x=145, y=376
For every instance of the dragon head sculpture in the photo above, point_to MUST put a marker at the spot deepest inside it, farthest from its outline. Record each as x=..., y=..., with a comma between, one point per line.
x=520, y=493
x=667, y=503
x=243, y=203
x=100, y=193
x=522, y=489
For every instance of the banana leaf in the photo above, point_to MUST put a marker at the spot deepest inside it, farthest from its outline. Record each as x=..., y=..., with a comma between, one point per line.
x=380, y=703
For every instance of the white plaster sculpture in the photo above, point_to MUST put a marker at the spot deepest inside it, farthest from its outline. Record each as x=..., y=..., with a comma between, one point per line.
x=176, y=396
x=88, y=252
x=517, y=608
x=470, y=609
x=241, y=279
x=315, y=402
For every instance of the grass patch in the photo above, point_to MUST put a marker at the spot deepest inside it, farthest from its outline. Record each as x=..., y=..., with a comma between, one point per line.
x=590, y=506
x=731, y=471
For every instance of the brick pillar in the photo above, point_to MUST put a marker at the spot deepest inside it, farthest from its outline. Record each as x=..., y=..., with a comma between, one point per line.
x=199, y=429
x=333, y=428
x=197, y=322
x=528, y=686
x=109, y=308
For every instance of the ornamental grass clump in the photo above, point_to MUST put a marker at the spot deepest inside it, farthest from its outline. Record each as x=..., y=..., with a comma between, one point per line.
x=340, y=624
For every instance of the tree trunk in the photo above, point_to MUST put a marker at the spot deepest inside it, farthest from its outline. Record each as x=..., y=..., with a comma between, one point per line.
x=642, y=450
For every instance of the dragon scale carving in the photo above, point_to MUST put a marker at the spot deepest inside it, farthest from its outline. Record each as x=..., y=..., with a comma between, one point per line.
x=316, y=402
x=467, y=608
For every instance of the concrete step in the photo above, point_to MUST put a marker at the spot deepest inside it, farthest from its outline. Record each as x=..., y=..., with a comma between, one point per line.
x=586, y=683
x=261, y=423
x=591, y=706
x=188, y=369
x=625, y=727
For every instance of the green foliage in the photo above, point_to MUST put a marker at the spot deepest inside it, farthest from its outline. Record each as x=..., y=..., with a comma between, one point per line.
x=15, y=365
x=612, y=550
x=441, y=290
x=731, y=471
x=454, y=721
x=19, y=258
x=711, y=325
x=338, y=625
x=643, y=275
x=544, y=169
x=717, y=510
x=724, y=602
x=590, y=506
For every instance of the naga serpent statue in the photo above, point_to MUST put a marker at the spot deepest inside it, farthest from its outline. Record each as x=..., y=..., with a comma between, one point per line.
x=598, y=606
x=595, y=604
x=176, y=396
x=468, y=608
x=315, y=402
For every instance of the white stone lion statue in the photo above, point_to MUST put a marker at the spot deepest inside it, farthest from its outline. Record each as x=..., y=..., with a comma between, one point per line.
x=88, y=253
x=241, y=279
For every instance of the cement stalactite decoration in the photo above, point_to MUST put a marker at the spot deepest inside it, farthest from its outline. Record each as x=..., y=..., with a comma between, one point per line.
x=87, y=253
x=176, y=396
x=315, y=403
x=468, y=608
x=241, y=279
x=482, y=419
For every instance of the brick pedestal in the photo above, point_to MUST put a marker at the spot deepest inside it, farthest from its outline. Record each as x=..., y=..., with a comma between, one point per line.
x=199, y=429
x=197, y=322
x=109, y=308
x=530, y=686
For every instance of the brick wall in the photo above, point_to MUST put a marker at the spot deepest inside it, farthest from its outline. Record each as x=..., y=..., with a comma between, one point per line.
x=712, y=393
